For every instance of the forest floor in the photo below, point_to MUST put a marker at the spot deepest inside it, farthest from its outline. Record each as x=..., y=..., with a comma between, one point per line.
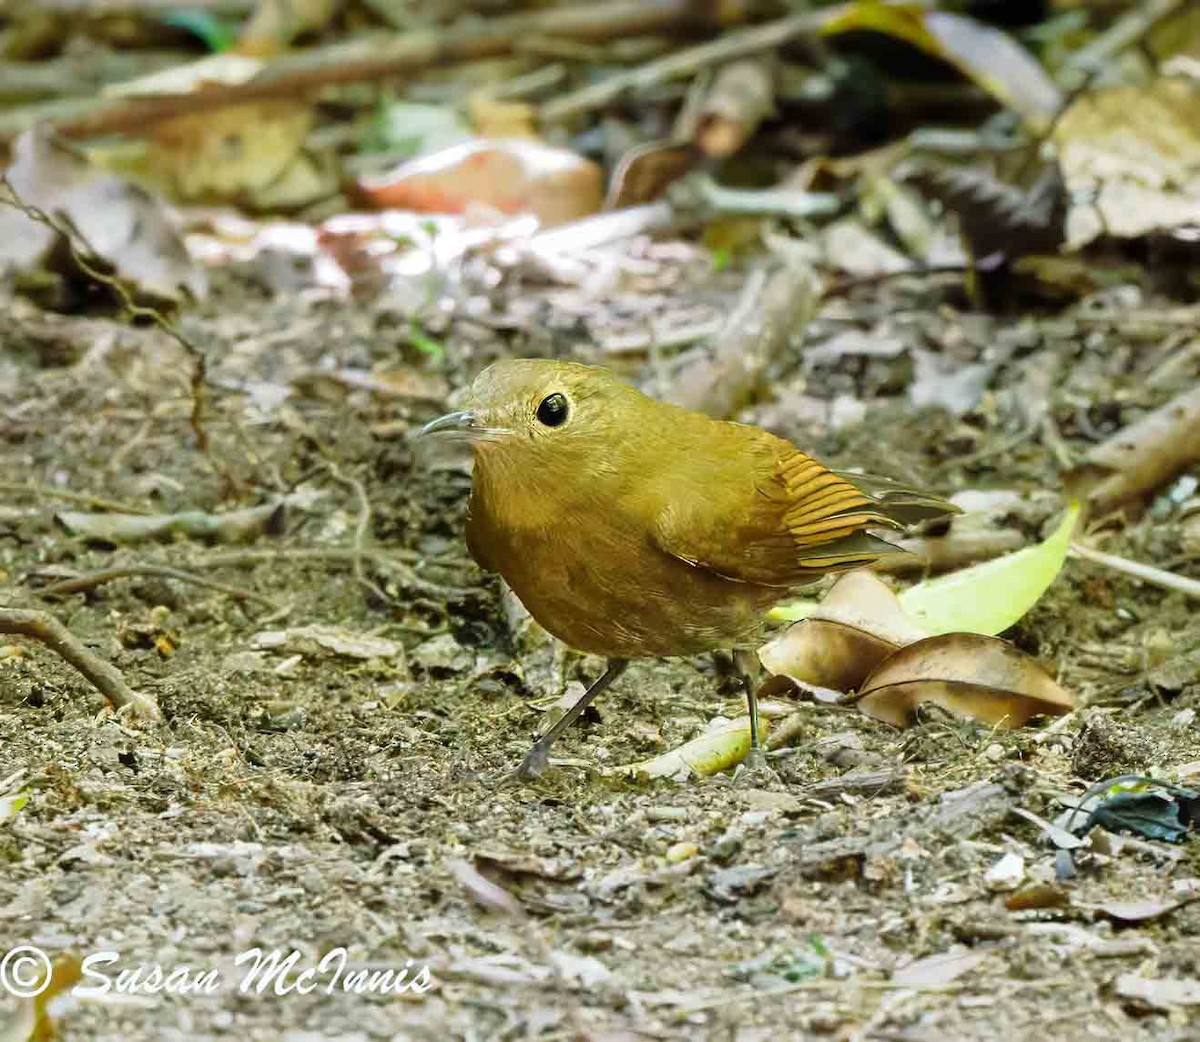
x=301, y=798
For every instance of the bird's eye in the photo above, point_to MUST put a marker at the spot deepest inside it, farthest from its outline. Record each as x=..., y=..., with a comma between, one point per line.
x=553, y=410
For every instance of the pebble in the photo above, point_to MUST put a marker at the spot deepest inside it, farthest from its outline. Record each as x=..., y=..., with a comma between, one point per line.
x=1005, y=874
x=1184, y=719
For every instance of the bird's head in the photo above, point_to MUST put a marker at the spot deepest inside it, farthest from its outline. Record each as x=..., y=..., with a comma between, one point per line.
x=521, y=404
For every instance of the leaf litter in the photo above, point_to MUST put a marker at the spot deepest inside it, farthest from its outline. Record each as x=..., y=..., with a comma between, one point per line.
x=366, y=812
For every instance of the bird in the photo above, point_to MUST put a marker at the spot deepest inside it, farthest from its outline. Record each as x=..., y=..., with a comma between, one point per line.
x=633, y=528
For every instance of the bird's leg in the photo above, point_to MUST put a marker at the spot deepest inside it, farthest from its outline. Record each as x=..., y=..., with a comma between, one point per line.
x=538, y=758
x=743, y=661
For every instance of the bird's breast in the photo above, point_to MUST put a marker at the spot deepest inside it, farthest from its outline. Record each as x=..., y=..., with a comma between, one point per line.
x=590, y=574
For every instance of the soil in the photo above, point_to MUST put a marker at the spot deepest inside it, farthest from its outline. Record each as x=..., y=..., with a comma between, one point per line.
x=299, y=799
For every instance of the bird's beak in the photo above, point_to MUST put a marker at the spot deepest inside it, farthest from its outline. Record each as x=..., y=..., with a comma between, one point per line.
x=452, y=422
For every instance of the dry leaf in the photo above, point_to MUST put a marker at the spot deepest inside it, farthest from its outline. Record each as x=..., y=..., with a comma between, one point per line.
x=512, y=176
x=937, y=970
x=1132, y=912
x=1159, y=993
x=251, y=154
x=1132, y=156
x=118, y=223
x=858, y=625
x=967, y=674
x=645, y=172
x=317, y=640
x=723, y=745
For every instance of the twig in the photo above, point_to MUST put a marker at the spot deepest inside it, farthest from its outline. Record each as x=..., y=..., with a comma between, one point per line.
x=71, y=235
x=96, y=502
x=685, y=63
x=106, y=678
x=91, y=580
x=362, y=529
x=356, y=61
x=1126, y=32
x=1147, y=573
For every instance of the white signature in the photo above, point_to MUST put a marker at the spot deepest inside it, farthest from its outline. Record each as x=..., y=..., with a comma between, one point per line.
x=272, y=971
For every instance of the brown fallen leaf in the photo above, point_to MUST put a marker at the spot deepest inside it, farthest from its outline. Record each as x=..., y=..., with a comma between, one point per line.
x=967, y=674
x=119, y=226
x=855, y=628
x=1145, y=455
x=512, y=176
x=645, y=172
x=1037, y=896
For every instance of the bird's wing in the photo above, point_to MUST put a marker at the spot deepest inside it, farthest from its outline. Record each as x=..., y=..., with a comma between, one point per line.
x=797, y=521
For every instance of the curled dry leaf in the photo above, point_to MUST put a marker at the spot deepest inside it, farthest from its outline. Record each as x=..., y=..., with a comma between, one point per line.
x=723, y=745
x=967, y=674
x=646, y=171
x=117, y=223
x=858, y=625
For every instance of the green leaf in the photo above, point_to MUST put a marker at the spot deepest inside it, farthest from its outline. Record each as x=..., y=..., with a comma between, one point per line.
x=987, y=598
x=792, y=611
x=217, y=34
x=10, y=805
x=425, y=344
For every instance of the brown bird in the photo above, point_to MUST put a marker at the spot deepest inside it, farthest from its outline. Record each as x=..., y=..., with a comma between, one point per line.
x=631, y=528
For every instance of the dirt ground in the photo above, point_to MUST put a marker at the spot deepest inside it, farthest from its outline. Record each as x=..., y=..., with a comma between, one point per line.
x=296, y=799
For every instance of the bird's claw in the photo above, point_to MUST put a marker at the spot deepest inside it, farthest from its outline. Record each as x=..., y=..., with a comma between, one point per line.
x=533, y=766
x=754, y=772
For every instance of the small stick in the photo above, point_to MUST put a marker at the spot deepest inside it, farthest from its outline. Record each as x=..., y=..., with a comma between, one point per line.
x=376, y=58
x=106, y=678
x=687, y=62
x=96, y=502
x=91, y=580
x=362, y=529
x=1147, y=573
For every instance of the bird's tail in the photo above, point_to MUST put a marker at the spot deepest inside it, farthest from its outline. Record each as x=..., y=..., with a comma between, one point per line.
x=901, y=505
x=889, y=505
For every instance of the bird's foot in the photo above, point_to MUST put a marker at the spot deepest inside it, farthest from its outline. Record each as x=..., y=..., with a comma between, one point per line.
x=754, y=772
x=533, y=766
